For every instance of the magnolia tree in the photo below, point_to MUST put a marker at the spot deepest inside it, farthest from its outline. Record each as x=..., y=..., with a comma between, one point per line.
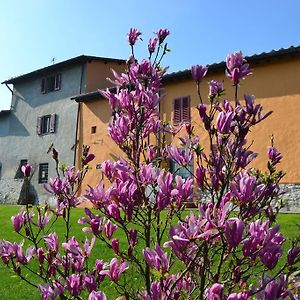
x=226, y=249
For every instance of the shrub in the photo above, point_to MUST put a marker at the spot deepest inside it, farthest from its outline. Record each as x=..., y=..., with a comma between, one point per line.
x=223, y=250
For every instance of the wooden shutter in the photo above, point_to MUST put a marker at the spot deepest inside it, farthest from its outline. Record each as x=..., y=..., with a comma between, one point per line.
x=39, y=126
x=177, y=111
x=43, y=85
x=186, y=109
x=52, y=123
x=57, y=82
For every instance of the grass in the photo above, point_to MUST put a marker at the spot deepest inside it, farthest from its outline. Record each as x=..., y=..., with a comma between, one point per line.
x=11, y=287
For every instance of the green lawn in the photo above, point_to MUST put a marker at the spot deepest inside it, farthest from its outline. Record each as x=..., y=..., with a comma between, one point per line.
x=12, y=287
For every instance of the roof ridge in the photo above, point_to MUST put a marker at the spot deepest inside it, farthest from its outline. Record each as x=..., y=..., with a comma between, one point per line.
x=70, y=61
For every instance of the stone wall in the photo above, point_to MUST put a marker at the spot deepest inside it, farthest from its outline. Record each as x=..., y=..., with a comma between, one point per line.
x=10, y=190
x=291, y=196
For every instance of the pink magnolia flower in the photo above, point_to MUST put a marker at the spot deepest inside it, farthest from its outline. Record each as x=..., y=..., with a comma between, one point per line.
x=97, y=195
x=90, y=282
x=198, y=72
x=234, y=60
x=74, y=284
x=215, y=292
x=116, y=269
x=109, y=229
x=97, y=296
x=157, y=259
x=182, y=156
x=238, y=296
x=49, y=292
x=133, y=35
x=293, y=255
x=72, y=175
x=6, y=251
x=19, y=220
x=56, y=186
x=237, y=69
x=246, y=188
x=274, y=155
x=224, y=121
x=162, y=34
x=200, y=176
x=276, y=289
x=203, y=115
x=51, y=242
x=88, y=158
x=115, y=245
x=215, y=88
x=95, y=222
x=26, y=170
x=234, y=229
x=43, y=220
x=152, y=45
x=113, y=211
x=73, y=247
x=119, y=129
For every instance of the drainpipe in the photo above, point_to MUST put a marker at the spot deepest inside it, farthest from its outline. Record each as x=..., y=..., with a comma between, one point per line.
x=76, y=134
x=78, y=113
x=12, y=92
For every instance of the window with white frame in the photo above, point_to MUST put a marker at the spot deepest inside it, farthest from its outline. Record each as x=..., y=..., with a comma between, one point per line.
x=43, y=173
x=46, y=124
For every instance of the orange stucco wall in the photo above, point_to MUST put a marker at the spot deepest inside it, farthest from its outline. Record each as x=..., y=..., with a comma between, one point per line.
x=276, y=86
x=96, y=113
x=98, y=71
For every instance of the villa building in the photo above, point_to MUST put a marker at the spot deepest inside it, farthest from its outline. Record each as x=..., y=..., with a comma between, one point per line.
x=275, y=83
x=43, y=117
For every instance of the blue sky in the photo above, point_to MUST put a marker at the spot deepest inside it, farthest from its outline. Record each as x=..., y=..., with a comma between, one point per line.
x=202, y=32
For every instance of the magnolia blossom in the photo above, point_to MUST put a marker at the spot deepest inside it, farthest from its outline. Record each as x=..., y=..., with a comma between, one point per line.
x=97, y=296
x=224, y=121
x=237, y=69
x=133, y=35
x=26, y=170
x=157, y=259
x=162, y=34
x=215, y=292
x=116, y=268
x=234, y=229
x=274, y=155
x=198, y=72
x=215, y=88
x=152, y=45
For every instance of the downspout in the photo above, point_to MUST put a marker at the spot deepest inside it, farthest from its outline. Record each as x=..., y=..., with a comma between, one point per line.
x=12, y=94
x=78, y=114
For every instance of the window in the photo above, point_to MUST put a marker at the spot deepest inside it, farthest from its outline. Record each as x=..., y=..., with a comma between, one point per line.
x=43, y=173
x=51, y=83
x=182, y=110
x=19, y=173
x=93, y=129
x=46, y=124
x=184, y=172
